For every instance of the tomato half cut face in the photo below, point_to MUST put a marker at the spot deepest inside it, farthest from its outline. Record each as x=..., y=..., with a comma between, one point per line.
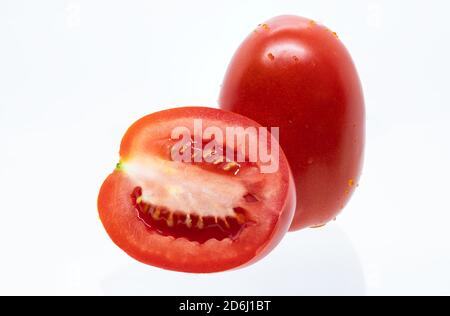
x=185, y=199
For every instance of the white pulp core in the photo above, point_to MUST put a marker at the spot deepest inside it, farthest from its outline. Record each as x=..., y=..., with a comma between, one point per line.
x=184, y=187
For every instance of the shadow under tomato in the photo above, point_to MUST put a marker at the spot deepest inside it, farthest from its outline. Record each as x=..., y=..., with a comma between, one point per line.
x=311, y=262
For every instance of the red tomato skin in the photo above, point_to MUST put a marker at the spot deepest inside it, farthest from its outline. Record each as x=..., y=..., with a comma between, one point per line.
x=296, y=74
x=119, y=219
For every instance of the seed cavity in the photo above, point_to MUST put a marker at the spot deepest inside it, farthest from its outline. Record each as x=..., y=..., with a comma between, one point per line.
x=211, y=156
x=191, y=226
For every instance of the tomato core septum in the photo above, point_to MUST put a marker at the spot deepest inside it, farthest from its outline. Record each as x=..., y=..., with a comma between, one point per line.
x=191, y=226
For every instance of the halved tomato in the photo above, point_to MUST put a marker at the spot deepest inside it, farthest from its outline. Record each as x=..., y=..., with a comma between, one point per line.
x=207, y=214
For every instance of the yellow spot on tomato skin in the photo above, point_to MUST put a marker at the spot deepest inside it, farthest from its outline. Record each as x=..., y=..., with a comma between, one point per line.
x=139, y=200
x=335, y=35
x=262, y=26
x=265, y=26
x=312, y=23
x=351, y=182
x=271, y=56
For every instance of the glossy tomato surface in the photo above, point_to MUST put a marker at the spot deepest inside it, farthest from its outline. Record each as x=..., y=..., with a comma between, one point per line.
x=293, y=73
x=207, y=214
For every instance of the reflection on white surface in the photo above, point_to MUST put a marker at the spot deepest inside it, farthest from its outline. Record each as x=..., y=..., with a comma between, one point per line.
x=313, y=262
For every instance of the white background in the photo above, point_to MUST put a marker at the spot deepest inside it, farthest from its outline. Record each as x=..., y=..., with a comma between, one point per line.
x=75, y=74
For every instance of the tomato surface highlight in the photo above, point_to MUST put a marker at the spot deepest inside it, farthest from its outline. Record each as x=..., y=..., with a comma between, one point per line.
x=296, y=74
x=209, y=213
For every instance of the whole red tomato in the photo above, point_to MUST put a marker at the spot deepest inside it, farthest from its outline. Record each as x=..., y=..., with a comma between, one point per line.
x=293, y=73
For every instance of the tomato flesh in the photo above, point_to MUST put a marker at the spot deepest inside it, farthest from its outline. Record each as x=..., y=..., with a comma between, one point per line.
x=199, y=216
